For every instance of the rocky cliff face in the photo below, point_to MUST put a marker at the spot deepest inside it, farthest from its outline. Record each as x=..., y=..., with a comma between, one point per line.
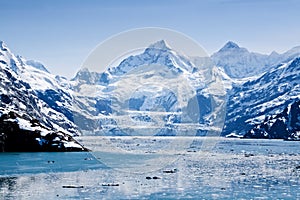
x=19, y=134
x=285, y=125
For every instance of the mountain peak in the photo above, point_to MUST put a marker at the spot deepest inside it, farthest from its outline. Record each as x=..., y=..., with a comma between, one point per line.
x=37, y=65
x=274, y=53
x=230, y=45
x=84, y=70
x=3, y=46
x=161, y=44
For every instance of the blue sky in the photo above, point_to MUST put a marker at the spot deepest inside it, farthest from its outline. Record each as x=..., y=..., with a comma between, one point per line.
x=61, y=33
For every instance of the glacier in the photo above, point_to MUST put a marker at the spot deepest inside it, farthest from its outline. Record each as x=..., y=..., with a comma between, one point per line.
x=157, y=91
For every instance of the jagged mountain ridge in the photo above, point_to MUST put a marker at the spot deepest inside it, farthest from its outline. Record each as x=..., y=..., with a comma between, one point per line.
x=239, y=63
x=63, y=104
x=159, y=53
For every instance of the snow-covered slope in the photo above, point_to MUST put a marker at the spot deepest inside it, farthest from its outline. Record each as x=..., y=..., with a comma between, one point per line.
x=33, y=93
x=52, y=94
x=285, y=125
x=155, y=89
x=239, y=63
x=257, y=100
x=158, y=53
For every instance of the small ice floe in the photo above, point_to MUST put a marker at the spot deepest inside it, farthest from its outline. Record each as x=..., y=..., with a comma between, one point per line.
x=248, y=155
x=233, y=135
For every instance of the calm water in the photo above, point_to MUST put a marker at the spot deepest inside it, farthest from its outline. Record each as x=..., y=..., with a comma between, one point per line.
x=156, y=168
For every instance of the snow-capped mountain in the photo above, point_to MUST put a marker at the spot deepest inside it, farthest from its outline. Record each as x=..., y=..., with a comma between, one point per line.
x=158, y=53
x=264, y=98
x=54, y=98
x=155, y=89
x=239, y=63
x=30, y=92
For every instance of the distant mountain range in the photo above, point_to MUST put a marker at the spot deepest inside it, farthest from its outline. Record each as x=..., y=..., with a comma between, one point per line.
x=260, y=90
x=238, y=62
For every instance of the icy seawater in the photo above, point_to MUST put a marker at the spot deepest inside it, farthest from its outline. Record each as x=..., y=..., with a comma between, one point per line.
x=146, y=168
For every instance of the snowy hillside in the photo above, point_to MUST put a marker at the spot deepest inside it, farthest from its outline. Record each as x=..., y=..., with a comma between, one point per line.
x=285, y=125
x=30, y=91
x=257, y=100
